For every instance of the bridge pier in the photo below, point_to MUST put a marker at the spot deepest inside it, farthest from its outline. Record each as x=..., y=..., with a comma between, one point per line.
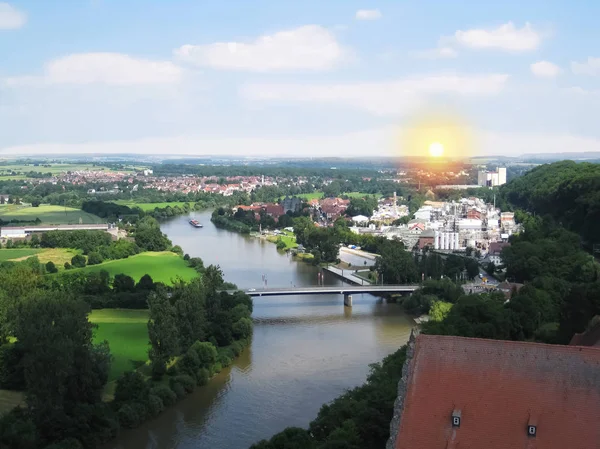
x=347, y=300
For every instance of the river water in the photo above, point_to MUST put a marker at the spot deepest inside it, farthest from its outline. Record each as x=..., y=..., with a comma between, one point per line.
x=306, y=350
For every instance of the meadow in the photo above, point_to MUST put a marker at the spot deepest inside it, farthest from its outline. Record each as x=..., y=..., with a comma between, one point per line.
x=161, y=266
x=127, y=334
x=48, y=214
x=320, y=195
x=57, y=255
x=146, y=207
x=16, y=254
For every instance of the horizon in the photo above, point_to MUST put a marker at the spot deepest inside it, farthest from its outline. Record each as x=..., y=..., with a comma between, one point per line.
x=348, y=79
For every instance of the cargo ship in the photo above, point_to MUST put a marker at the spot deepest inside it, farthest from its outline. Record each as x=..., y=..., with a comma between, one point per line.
x=196, y=223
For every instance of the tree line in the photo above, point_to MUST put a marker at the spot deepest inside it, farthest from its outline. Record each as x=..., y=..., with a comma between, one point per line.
x=47, y=351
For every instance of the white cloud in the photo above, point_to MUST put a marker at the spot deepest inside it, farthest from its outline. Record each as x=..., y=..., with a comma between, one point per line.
x=436, y=53
x=589, y=67
x=309, y=47
x=377, y=141
x=103, y=68
x=545, y=69
x=505, y=37
x=368, y=14
x=384, y=98
x=578, y=90
x=10, y=17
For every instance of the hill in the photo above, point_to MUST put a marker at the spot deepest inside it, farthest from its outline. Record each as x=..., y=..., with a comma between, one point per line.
x=567, y=191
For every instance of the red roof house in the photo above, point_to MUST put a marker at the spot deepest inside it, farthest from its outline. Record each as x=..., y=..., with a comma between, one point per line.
x=468, y=393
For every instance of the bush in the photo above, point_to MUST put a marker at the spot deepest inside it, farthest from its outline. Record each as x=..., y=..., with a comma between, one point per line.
x=242, y=328
x=128, y=416
x=207, y=353
x=131, y=386
x=187, y=382
x=177, y=250
x=141, y=410
x=173, y=370
x=78, y=261
x=225, y=360
x=186, y=257
x=189, y=363
x=51, y=267
x=166, y=395
x=17, y=430
x=202, y=377
x=154, y=405
x=94, y=258
x=216, y=368
x=12, y=374
x=67, y=266
x=69, y=443
x=177, y=388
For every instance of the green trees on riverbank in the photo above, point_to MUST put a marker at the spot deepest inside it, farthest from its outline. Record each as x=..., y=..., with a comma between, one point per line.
x=47, y=350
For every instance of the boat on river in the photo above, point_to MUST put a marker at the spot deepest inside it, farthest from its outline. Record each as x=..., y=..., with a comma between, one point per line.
x=196, y=223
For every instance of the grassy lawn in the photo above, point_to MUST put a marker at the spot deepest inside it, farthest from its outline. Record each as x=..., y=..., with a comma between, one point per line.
x=20, y=253
x=361, y=195
x=127, y=334
x=149, y=206
x=162, y=267
x=51, y=215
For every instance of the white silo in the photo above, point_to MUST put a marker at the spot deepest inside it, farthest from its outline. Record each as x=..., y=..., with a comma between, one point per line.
x=456, y=241
x=436, y=240
x=442, y=240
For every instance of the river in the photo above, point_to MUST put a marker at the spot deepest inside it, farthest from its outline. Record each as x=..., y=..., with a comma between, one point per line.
x=306, y=350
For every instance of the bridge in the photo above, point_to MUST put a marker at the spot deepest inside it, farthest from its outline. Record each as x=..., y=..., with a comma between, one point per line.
x=346, y=290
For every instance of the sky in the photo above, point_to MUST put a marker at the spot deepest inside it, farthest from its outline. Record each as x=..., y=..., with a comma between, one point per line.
x=298, y=78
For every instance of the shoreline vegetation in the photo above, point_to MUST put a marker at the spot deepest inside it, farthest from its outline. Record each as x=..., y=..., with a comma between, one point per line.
x=128, y=344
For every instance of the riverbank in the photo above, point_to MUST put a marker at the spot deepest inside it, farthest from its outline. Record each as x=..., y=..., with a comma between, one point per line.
x=305, y=350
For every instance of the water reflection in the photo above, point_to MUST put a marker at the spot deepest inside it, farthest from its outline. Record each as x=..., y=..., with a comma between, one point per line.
x=306, y=350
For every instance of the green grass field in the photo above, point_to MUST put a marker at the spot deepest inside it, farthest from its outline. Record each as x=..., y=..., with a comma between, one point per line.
x=51, y=215
x=361, y=195
x=127, y=334
x=148, y=206
x=20, y=253
x=162, y=267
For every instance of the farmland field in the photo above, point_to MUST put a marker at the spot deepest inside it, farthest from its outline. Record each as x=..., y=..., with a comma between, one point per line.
x=127, y=334
x=55, y=169
x=149, y=206
x=161, y=266
x=51, y=215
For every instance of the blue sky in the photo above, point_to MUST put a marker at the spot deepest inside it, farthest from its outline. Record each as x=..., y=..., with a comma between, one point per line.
x=297, y=78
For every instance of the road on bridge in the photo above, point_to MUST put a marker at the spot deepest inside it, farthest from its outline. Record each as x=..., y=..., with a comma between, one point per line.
x=339, y=290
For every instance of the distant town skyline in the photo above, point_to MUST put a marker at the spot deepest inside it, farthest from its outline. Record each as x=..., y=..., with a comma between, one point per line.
x=294, y=79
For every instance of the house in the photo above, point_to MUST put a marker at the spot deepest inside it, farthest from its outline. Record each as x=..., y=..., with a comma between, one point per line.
x=495, y=252
x=427, y=238
x=291, y=204
x=468, y=393
x=274, y=210
x=590, y=337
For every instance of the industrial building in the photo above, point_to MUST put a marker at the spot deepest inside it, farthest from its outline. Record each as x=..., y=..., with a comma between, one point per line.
x=491, y=178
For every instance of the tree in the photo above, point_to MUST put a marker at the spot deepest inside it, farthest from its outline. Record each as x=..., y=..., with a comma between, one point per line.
x=78, y=261
x=64, y=371
x=149, y=236
x=145, y=283
x=94, y=258
x=123, y=284
x=35, y=241
x=51, y=268
x=162, y=331
x=490, y=268
x=190, y=315
x=396, y=265
x=472, y=268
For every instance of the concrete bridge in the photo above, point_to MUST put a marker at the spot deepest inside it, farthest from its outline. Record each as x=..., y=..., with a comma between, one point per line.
x=346, y=290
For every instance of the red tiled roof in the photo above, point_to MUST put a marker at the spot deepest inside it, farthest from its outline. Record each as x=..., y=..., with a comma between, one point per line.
x=499, y=388
x=496, y=247
x=591, y=337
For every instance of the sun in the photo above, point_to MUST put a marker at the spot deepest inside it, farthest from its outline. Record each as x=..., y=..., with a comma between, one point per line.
x=436, y=149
